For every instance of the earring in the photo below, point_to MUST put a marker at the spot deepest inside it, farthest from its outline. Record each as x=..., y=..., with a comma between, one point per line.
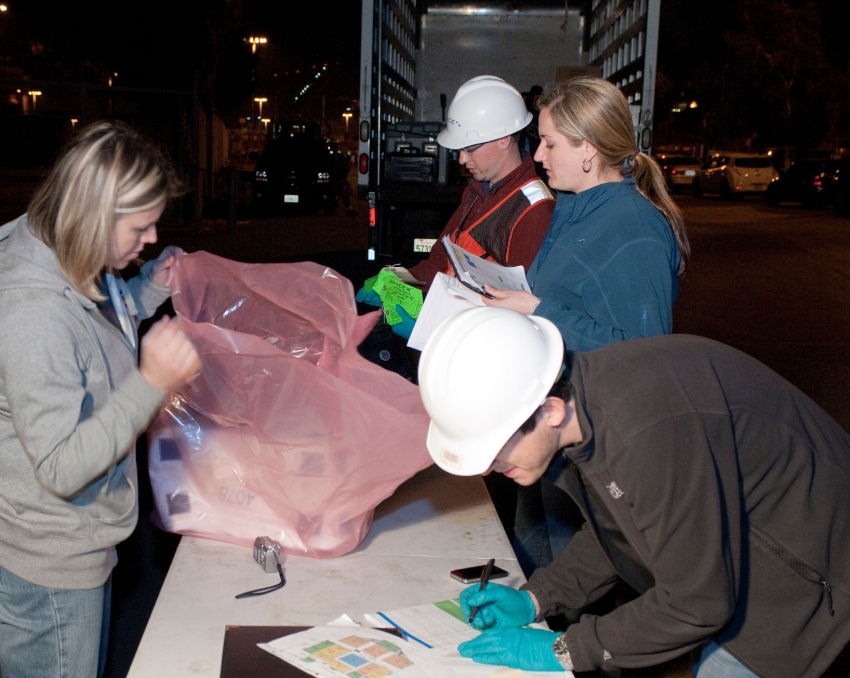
x=589, y=165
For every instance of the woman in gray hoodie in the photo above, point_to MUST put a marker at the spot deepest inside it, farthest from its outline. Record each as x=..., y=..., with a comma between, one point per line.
x=76, y=389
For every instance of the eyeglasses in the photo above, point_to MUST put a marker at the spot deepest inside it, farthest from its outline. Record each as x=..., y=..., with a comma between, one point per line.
x=474, y=147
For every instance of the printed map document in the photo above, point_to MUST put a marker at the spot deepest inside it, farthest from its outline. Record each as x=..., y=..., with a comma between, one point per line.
x=346, y=652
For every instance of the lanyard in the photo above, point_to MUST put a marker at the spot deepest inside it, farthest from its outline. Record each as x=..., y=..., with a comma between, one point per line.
x=116, y=294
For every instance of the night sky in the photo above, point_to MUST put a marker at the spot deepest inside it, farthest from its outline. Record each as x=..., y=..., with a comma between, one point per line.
x=165, y=43
x=303, y=33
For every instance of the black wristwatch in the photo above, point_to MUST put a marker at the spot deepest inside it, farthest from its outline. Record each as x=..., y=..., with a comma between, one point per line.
x=562, y=652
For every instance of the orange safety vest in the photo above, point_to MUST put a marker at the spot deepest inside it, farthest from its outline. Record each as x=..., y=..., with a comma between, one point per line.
x=490, y=236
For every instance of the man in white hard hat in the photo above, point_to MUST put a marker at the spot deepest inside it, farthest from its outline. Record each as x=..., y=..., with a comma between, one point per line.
x=505, y=211
x=506, y=208
x=709, y=484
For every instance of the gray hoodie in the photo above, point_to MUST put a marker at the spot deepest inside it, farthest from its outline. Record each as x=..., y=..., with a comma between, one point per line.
x=72, y=403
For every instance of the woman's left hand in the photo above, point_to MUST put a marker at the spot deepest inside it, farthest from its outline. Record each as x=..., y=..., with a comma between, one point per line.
x=524, y=302
x=161, y=269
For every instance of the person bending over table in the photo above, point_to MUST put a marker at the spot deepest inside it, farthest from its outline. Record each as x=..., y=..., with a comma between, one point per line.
x=73, y=397
x=710, y=485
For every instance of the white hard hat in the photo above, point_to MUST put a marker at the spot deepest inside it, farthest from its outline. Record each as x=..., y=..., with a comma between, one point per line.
x=483, y=109
x=482, y=374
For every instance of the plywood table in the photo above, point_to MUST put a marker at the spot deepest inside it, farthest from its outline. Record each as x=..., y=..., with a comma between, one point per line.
x=434, y=523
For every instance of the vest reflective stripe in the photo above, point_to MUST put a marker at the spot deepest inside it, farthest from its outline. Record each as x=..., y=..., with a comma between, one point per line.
x=536, y=191
x=490, y=236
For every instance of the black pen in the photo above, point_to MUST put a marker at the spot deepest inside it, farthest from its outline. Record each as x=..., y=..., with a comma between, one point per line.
x=485, y=577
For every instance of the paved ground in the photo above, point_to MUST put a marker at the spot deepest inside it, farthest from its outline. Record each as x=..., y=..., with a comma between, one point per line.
x=773, y=282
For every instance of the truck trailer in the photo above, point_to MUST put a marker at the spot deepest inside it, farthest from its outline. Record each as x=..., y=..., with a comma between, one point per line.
x=415, y=54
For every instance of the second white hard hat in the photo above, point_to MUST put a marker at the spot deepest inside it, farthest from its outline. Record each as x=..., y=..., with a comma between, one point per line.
x=481, y=375
x=483, y=109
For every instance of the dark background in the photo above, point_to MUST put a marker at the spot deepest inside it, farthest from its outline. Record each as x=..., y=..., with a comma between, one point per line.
x=765, y=73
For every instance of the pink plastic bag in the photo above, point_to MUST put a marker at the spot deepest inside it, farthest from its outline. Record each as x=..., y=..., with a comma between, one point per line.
x=287, y=432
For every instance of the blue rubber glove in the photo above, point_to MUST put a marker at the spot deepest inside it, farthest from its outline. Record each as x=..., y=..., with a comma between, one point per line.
x=526, y=649
x=498, y=605
x=371, y=297
x=405, y=327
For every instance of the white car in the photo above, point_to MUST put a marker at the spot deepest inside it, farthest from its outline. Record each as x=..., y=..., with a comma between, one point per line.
x=735, y=174
x=679, y=170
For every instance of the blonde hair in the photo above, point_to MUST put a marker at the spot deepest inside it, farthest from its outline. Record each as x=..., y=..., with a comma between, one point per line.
x=593, y=109
x=107, y=170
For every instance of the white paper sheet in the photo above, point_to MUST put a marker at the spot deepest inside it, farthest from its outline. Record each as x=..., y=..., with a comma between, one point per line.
x=445, y=298
x=440, y=626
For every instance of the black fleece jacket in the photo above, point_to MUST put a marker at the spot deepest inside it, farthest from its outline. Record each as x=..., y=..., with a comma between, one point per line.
x=721, y=493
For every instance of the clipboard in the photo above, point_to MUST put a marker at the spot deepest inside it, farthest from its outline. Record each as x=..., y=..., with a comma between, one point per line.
x=241, y=657
x=460, y=271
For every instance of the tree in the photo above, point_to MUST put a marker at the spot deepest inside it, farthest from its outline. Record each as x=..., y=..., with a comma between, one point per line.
x=765, y=72
x=780, y=79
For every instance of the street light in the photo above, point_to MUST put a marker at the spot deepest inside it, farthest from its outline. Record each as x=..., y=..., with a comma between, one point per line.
x=260, y=101
x=34, y=94
x=256, y=41
x=347, y=117
x=4, y=8
x=265, y=122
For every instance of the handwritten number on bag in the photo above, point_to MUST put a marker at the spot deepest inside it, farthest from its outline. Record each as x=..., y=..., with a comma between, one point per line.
x=235, y=496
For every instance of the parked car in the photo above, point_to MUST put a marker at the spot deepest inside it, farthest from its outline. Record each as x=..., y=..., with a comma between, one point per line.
x=297, y=170
x=679, y=170
x=808, y=182
x=735, y=174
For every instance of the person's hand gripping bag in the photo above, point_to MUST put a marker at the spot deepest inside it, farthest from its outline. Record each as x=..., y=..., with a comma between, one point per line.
x=287, y=432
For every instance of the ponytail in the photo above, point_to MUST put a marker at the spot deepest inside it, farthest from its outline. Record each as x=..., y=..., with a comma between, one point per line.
x=649, y=180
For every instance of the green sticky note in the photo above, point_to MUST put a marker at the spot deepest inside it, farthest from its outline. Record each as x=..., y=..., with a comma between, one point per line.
x=393, y=291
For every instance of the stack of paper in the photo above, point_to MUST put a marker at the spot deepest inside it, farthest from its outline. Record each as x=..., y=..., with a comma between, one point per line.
x=475, y=272
x=449, y=295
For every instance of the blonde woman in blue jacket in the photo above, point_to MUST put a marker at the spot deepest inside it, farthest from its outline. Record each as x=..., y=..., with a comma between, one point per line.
x=76, y=389
x=609, y=267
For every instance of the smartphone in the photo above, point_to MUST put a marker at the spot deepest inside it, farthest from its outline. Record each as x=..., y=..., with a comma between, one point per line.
x=470, y=575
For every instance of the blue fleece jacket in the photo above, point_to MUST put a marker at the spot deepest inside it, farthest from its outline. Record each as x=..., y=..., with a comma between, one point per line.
x=607, y=270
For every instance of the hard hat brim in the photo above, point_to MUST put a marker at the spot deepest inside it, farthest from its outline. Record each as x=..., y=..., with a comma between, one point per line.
x=464, y=458
x=455, y=141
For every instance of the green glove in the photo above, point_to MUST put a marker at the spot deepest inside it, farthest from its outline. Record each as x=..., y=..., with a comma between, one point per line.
x=369, y=296
x=405, y=327
x=526, y=649
x=498, y=606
